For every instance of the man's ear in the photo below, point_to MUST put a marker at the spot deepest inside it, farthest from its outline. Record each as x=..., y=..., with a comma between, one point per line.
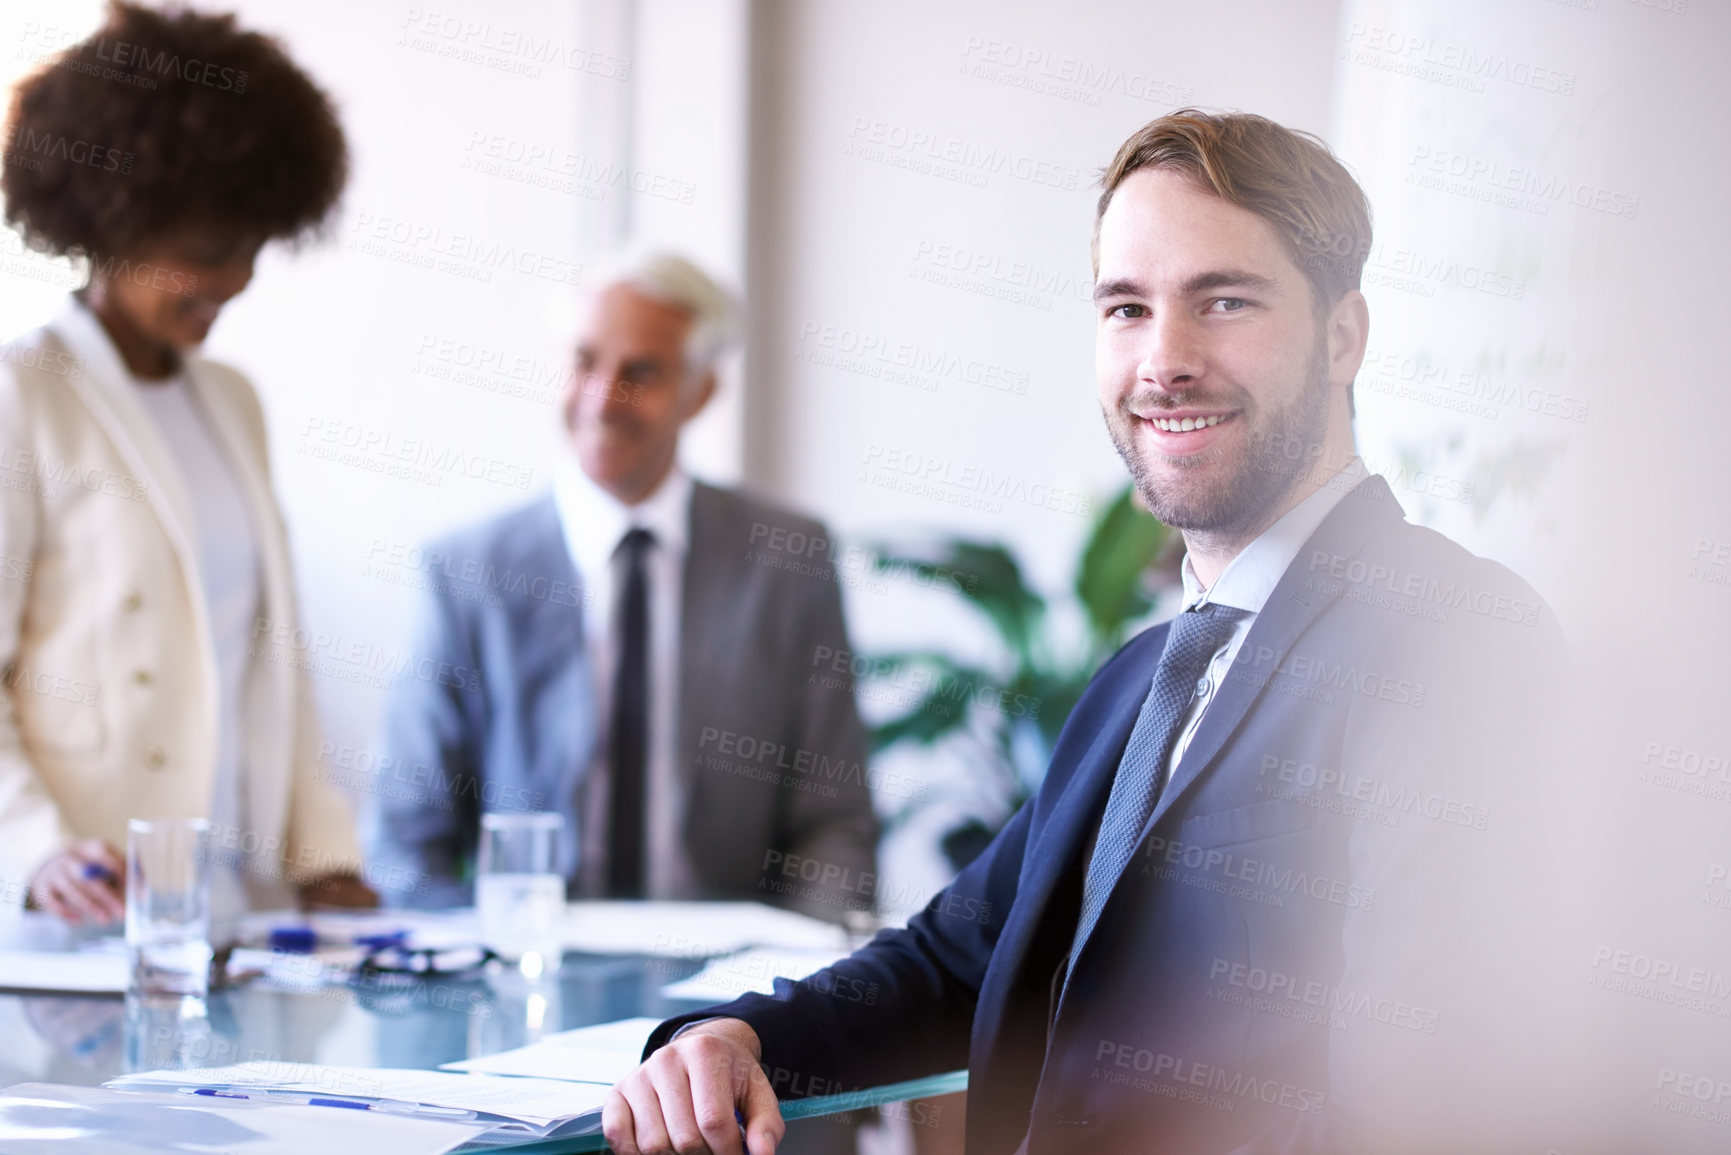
x=1348, y=333
x=696, y=397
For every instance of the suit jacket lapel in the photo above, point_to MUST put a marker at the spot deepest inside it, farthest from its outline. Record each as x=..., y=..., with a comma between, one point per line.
x=1084, y=798
x=1055, y=847
x=1040, y=925
x=549, y=638
x=106, y=389
x=1291, y=608
x=706, y=629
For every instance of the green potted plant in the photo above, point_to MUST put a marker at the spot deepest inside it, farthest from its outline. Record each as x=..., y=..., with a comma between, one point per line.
x=1010, y=723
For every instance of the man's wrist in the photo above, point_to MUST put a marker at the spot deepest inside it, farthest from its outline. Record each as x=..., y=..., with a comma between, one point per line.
x=737, y=1031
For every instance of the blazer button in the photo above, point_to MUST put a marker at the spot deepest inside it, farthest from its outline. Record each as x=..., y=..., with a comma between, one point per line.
x=142, y=677
x=133, y=603
x=155, y=758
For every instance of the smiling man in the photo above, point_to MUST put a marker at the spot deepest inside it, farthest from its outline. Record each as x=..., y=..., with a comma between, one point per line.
x=633, y=650
x=1213, y=349
x=1258, y=903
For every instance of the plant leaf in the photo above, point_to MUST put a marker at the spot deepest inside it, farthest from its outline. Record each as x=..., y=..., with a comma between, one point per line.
x=988, y=576
x=1109, y=581
x=942, y=706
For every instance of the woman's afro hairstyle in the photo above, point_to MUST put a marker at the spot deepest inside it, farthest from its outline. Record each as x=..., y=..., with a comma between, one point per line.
x=162, y=121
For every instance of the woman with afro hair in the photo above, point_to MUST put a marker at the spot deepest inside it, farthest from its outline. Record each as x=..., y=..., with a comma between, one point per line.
x=147, y=617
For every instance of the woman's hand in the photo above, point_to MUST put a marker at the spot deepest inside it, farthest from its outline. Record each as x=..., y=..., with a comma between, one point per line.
x=85, y=883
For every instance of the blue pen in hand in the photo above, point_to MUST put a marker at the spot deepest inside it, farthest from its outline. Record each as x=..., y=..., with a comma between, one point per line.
x=95, y=870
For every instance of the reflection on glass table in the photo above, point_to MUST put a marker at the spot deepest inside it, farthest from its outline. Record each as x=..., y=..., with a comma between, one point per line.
x=391, y=1020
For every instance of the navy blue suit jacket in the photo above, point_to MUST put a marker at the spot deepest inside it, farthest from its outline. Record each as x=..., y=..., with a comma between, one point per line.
x=1326, y=838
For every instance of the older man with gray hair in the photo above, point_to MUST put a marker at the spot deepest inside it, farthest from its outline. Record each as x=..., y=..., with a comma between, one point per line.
x=636, y=650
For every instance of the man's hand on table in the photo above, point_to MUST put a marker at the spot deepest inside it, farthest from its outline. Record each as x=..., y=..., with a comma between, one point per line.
x=683, y=1098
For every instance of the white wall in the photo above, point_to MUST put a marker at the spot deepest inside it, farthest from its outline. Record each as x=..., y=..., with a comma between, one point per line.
x=690, y=93
x=1470, y=125
x=31, y=288
x=861, y=221
x=1598, y=185
x=357, y=340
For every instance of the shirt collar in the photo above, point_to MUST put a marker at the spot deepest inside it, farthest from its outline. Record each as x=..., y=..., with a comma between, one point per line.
x=594, y=520
x=1249, y=579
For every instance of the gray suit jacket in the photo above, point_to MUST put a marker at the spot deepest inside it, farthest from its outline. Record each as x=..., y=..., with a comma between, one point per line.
x=772, y=758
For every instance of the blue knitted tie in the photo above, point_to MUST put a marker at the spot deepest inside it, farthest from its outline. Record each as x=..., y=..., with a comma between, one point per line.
x=1196, y=636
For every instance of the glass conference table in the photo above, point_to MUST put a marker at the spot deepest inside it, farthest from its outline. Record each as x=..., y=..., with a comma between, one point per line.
x=87, y=1040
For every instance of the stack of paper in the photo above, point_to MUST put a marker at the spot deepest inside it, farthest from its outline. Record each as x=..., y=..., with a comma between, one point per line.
x=622, y=1035
x=608, y=1052
x=750, y=971
x=68, y=972
x=601, y=1054
x=528, y=1107
x=74, y=1120
x=691, y=929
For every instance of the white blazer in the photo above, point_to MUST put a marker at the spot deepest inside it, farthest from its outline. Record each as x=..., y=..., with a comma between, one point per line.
x=108, y=707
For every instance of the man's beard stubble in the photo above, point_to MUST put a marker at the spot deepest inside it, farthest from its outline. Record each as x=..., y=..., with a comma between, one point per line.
x=1279, y=446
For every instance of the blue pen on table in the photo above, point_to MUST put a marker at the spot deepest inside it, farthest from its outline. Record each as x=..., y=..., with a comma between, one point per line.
x=293, y=1100
x=305, y=940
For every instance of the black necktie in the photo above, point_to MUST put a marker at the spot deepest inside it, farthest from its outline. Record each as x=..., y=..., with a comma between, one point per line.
x=628, y=736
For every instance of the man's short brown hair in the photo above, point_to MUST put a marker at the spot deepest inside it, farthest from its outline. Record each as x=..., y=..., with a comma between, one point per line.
x=1290, y=179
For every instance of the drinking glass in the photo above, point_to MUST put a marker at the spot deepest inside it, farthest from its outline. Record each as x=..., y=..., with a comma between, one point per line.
x=168, y=905
x=519, y=892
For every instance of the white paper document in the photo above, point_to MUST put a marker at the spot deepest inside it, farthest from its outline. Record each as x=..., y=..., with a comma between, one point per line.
x=48, y=1119
x=691, y=929
x=551, y=1061
x=750, y=971
x=541, y=1104
x=603, y=1053
x=627, y=1035
x=69, y=972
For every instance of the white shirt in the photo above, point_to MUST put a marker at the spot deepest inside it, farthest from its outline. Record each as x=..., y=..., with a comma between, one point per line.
x=229, y=573
x=1249, y=579
x=595, y=522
